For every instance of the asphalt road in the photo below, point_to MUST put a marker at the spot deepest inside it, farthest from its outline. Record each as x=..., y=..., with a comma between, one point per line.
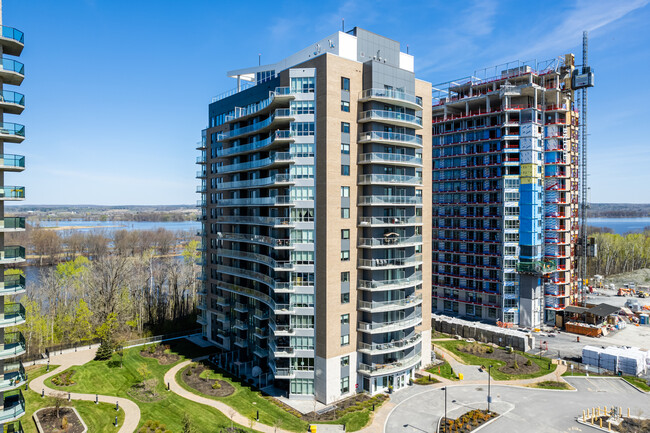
x=523, y=409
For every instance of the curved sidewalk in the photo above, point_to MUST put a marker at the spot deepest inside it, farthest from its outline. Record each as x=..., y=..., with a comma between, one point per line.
x=170, y=378
x=65, y=361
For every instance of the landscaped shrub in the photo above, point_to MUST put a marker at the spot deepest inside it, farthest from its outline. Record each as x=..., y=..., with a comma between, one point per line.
x=104, y=352
x=529, y=362
x=216, y=385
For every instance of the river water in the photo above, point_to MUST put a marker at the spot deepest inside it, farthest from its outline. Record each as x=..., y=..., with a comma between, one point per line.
x=110, y=226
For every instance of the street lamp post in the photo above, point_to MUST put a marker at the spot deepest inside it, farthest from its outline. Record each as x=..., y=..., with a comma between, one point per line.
x=489, y=399
x=445, y=389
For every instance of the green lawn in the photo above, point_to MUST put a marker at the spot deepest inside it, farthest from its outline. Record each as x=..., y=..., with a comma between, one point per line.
x=638, y=382
x=98, y=377
x=99, y=418
x=543, y=363
x=445, y=371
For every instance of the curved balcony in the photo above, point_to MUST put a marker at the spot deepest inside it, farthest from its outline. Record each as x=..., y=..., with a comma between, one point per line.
x=389, y=221
x=12, y=41
x=390, y=158
x=13, y=427
x=12, y=254
x=402, y=262
x=397, y=325
x=278, y=179
x=381, y=348
x=14, y=284
x=389, y=179
x=258, y=258
x=391, y=117
x=278, y=200
x=273, y=160
x=284, y=373
x=277, y=138
x=395, y=138
x=12, y=102
x=253, y=220
x=246, y=291
x=12, y=162
x=279, y=115
x=396, y=283
x=245, y=273
x=13, y=376
x=14, y=314
x=395, y=304
x=14, y=345
x=280, y=94
x=12, y=132
x=391, y=96
x=14, y=406
x=381, y=369
x=256, y=239
x=388, y=200
x=12, y=224
x=388, y=241
x=11, y=71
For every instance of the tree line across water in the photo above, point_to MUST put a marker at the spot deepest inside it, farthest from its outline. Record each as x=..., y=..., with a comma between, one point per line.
x=619, y=253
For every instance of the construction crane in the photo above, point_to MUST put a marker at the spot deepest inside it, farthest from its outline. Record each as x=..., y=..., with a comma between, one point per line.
x=582, y=79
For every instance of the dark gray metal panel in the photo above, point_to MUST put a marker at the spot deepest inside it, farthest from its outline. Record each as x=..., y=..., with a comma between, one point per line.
x=373, y=46
x=243, y=98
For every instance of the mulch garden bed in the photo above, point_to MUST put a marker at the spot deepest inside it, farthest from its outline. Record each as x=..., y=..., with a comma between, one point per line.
x=153, y=427
x=64, y=379
x=515, y=363
x=161, y=353
x=467, y=422
x=425, y=379
x=51, y=424
x=355, y=403
x=204, y=385
x=628, y=425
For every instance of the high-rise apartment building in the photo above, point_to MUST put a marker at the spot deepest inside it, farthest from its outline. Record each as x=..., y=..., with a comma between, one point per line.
x=316, y=209
x=505, y=193
x=12, y=343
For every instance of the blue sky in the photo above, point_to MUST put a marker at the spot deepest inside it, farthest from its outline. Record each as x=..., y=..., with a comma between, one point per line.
x=117, y=91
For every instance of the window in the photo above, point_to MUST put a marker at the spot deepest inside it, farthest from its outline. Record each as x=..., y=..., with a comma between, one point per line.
x=302, y=128
x=302, y=300
x=345, y=234
x=345, y=148
x=302, y=171
x=345, y=361
x=302, y=193
x=345, y=127
x=303, y=364
x=345, y=319
x=345, y=191
x=302, y=107
x=302, y=322
x=345, y=106
x=345, y=212
x=345, y=277
x=303, y=84
x=302, y=214
x=302, y=343
x=345, y=340
x=345, y=170
x=302, y=236
x=302, y=149
x=345, y=385
x=302, y=386
x=345, y=298
x=302, y=257
x=345, y=255
x=345, y=83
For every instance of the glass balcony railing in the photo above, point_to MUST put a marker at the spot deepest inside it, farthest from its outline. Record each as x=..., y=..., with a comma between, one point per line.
x=280, y=135
x=390, y=221
x=384, y=368
x=390, y=326
x=392, y=137
x=8, y=160
x=393, y=345
x=395, y=283
x=274, y=158
x=12, y=253
x=389, y=179
x=14, y=406
x=13, y=376
x=395, y=262
x=389, y=200
x=390, y=94
x=12, y=66
x=12, y=285
x=14, y=314
x=12, y=129
x=13, y=223
x=390, y=116
x=390, y=241
x=390, y=158
x=11, y=33
x=13, y=427
x=9, y=97
x=409, y=301
x=14, y=345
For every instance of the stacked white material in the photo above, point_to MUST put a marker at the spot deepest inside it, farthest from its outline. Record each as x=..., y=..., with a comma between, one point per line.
x=633, y=361
x=590, y=355
x=609, y=358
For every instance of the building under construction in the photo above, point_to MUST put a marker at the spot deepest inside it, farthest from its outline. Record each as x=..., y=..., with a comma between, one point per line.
x=505, y=193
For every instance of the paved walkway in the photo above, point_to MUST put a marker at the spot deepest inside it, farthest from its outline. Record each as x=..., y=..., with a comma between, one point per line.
x=67, y=360
x=170, y=378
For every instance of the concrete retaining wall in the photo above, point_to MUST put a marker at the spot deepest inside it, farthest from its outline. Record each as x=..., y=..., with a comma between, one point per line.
x=523, y=341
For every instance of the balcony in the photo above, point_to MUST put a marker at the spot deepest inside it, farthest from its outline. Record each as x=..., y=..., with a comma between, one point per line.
x=11, y=71
x=381, y=348
x=381, y=369
x=275, y=159
x=284, y=179
x=283, y=352
x=14, y=314
x=12, y=102
x=395, y=304
x=396, y=283
x=12, y=162
x=389, y=200
x=14, y=406
x=281, y=114
x=264, y=221
x=240, y=325
x=259, y=352
x=278, y=200
x=201, y=319
x=389, y=221
x=391, y=117
x=389, y=179
x=13, y=427
x=13, y=377
x=278, y=137
x=257, y=239
x=14, y=284
x=241, y=342
x=281, y=330
x=400, y=262
x=284, y=309
x=284, y=373
x=12, y=224
x=381, y=327
x=12, y=254
x=391, y=96
x=12, y=193
x=12, y=41
x=12, y=132
x=14, y=345
x=395, y=138
x=390, y=242
x=390, y=158
x=537, y=267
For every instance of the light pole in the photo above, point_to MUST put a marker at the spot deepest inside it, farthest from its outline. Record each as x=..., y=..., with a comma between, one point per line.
x=489, y=396
x=445, y=424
